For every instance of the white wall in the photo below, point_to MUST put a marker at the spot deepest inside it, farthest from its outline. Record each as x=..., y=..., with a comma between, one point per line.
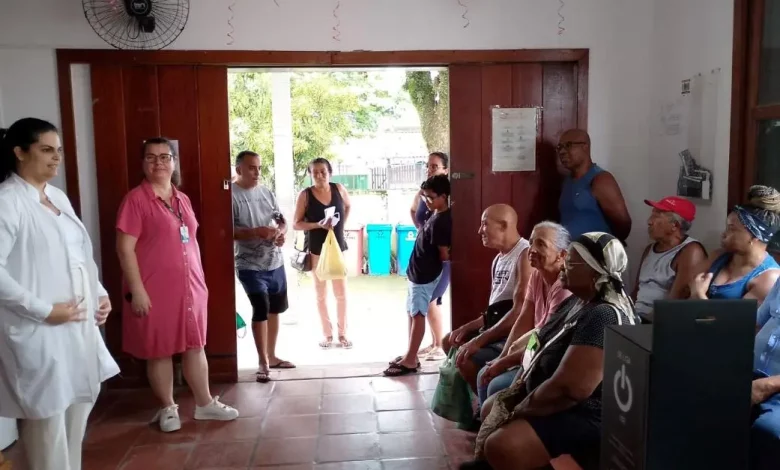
x=28, y=87
x=692, y=37
x=640, y=50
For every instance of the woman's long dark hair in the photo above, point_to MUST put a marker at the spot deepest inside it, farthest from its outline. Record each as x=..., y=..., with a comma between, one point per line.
x=23, y=133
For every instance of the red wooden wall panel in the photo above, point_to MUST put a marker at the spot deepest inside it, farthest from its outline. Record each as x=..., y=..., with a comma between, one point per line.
x=178, y=93
x=527, y=187
x=474, y=91
x=111, y=166
x=466, y=148
x=217, y=221
x=142, y=115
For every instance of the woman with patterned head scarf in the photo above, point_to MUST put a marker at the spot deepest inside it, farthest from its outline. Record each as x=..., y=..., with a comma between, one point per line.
x=554, y=406
x=743, y=269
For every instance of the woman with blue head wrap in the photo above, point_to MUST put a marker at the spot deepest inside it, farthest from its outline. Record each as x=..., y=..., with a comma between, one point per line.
x=743, y=268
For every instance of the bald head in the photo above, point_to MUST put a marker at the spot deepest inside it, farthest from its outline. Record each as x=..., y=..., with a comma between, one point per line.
x=574, y=150
x=499, y=227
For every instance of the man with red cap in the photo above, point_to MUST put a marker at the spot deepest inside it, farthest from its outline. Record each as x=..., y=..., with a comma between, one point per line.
x=670, y=261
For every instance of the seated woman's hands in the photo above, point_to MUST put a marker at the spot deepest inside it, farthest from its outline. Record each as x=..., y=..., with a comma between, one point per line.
x=700, y=285
x=494, y=369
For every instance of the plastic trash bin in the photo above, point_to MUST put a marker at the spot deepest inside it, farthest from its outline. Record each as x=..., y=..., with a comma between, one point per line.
x=354, y=254
x=379, y=238
x=407, y=234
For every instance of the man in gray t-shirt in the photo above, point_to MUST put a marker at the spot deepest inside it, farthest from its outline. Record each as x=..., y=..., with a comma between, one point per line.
x=259, y=230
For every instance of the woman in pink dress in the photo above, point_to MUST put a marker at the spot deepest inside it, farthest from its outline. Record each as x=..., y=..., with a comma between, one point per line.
x=164, y=289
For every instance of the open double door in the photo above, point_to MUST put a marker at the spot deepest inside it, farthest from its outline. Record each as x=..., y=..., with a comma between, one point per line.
x=143, y=95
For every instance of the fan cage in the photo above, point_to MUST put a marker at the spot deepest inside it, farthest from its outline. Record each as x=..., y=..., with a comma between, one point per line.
x=111, y=21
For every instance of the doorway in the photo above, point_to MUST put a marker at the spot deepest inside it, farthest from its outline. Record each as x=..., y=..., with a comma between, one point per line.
x=376, y=126
x=184, y=95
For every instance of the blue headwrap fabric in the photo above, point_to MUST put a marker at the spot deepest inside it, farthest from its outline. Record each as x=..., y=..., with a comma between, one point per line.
x=755, y=225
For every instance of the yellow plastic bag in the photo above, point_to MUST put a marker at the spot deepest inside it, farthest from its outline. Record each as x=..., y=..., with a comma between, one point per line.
x=331, y=265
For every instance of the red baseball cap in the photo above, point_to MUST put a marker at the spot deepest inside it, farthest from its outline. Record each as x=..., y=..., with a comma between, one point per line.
x=678, y=205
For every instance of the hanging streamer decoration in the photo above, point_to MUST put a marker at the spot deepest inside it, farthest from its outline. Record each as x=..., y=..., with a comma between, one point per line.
x=465, y=15
x=336, y=30
x=231, y=29
x=276, y=2
x=561, y=18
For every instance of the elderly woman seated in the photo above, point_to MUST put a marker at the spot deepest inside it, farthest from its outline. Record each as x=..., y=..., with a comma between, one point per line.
x=554, y=408
x=545, y=292
x=743, y=269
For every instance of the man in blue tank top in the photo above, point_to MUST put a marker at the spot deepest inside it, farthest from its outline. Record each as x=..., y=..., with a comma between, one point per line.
x=591, y=200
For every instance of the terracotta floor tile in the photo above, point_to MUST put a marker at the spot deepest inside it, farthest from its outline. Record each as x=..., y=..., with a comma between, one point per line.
x=352, y=386
x=407, y=420
x=290, y=426
x=190, y=432
x=99, y=457
x=298, y=450
x=287, y=467
x=427, y=381
x=347, y=403
x=340, y=372
x=439, y=463
x=458, y=442
x=249, y=390
x=242, y=429
x=157, y=457
x=365, y=465
x=297, y=373
x=297, y=388
x=410, y=445
x=351, y=423
x=111, y=434
x=287, y=406
x=395, y=384
x=220, y=454
x=344, y=447
x=391, y=401
x=440, y=423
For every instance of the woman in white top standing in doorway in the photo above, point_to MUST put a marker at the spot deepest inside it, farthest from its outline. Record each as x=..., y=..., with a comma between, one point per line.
x=51, y=303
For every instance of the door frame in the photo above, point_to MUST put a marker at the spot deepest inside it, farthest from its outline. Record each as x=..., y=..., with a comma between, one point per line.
x=289, y=59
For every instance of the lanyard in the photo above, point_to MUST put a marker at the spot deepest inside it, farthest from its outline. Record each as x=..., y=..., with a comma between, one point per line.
x=177, y=213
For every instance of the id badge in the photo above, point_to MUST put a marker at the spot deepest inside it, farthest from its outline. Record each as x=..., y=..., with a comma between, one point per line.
x=184, y=232
x=530, y=350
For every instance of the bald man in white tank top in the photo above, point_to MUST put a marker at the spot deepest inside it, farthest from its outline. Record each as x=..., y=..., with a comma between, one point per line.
x=483, y=339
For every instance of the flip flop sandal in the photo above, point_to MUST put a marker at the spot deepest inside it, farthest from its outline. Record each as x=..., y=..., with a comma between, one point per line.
x=398, y=359
x=262, y=377
x=345, y=343
x=327, y=343
x=283, y=365
x=397, y=370
x=425, y=351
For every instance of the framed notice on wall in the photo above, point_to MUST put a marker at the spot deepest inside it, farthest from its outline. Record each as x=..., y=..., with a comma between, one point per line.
x=514, y=139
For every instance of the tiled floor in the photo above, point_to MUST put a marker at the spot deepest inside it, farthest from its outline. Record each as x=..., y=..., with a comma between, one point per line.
x=364, y=423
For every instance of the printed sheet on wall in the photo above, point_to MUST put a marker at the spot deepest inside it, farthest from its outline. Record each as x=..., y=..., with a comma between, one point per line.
x=514, y=139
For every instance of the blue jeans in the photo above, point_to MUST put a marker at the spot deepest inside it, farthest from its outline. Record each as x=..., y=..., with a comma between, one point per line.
x=496, y=385
x=765, y=435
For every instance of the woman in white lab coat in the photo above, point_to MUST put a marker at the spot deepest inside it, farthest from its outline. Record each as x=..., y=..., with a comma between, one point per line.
x=52, y=355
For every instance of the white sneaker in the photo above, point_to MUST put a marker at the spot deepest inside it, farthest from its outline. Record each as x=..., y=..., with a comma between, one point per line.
x=216, y=411
x=168, y=418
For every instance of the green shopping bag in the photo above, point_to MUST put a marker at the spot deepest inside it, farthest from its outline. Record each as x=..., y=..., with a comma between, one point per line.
x=240, y=324
x=452, y=399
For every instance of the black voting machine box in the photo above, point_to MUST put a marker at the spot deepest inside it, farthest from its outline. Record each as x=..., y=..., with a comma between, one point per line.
x=676, y=393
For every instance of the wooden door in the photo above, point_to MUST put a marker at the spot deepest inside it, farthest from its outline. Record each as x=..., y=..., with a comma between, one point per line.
x=561, y=90
x=188, y=104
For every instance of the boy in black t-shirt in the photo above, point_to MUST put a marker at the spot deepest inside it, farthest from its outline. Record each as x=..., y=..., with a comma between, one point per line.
x=431, y=251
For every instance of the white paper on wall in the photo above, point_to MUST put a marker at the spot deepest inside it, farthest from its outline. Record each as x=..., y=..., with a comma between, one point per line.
x=514, y=139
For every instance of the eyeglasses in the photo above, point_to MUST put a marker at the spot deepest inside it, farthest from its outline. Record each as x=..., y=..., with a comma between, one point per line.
x=432, y=166
x=162, y=158
x=568, y=145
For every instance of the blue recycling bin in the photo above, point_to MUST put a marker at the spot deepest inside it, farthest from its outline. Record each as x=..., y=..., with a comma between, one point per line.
x=407, y=234
x=379, y=249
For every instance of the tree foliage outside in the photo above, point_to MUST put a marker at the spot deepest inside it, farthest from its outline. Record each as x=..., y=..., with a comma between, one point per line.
x=429, y=92
x=327, y=108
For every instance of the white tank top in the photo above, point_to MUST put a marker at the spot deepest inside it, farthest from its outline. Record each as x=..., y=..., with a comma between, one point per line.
x=505, y=272
x=656, y=276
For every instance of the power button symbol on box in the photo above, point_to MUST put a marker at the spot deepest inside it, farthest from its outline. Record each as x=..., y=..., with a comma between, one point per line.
x=622, y=385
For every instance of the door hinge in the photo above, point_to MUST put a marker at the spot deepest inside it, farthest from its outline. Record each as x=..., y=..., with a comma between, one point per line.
x=462, y=176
